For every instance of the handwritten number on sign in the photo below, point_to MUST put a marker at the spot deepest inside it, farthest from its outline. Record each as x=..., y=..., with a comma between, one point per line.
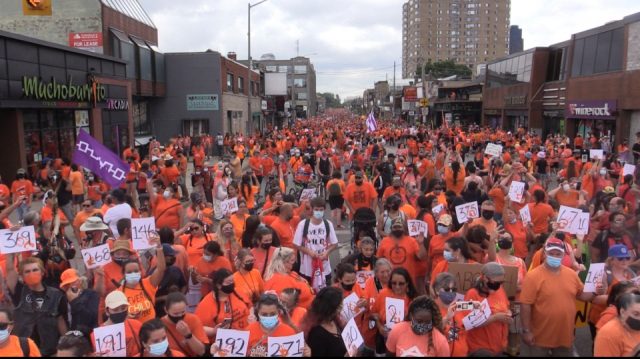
x=232, y=346
x=19, y=239
x=284, y=349
x=110, y=343
x=394, y=314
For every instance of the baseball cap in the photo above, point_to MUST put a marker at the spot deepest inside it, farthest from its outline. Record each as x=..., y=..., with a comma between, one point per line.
x=21, y=171
x=445, y=219
x=554, y=244
x=115, y=299
x=619, y=251
x=69, y=276
x=542, y=154
x=492, y=270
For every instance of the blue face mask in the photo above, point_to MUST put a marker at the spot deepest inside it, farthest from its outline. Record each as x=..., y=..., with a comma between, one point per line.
x=159, y=348
x=318, y=214
x=443, y=229
x=448, y=256
x=133, y=278
x=268, y=322
x=554, y=262
x=447, y=297
x=4, y=335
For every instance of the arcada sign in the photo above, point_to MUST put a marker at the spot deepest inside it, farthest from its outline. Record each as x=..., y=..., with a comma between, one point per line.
x=117, y=104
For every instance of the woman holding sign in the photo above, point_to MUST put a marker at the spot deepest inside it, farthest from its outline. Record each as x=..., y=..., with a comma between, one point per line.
x=444, y=292
x=141, y=293
x=420, y=334
x=456, y=250
x=491, y=334
x=401, y=287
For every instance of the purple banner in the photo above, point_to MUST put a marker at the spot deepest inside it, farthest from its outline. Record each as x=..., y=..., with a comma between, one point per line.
x=95, y=157
x=592, y=110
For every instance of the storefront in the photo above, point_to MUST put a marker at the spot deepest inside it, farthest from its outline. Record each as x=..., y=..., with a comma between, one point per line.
x=48, y=93
x=593, y=116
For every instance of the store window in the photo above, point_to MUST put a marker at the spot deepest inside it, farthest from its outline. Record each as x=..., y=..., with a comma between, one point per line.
x=598, y=53
x=141, y=123
x=195, y=128
x=229, y=82
x=52, y=134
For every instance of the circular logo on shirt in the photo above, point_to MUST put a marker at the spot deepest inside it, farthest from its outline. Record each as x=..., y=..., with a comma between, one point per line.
x=398, y=255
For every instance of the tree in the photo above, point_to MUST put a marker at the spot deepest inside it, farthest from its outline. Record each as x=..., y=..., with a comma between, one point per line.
x=445, y=68
x=333, y=101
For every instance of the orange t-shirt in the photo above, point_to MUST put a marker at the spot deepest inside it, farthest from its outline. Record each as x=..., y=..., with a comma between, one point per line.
x=360, y=196
x=141, y=300
x=614, y=340
x=400, y=253
x=46, y=214
x=448, y=179
x=131, y=330
x=239, y=224
x=541, y=215
x=606, y=316
x=519, y=234
x=459, y=347
x=12, y=348
x=552, y=296
x=167, y=213
x=569, y=199
x=170, y=175
x=436, y=249
x=77, y=183
x=205, y=268
x=497, y=196
x=442, y=267
x=284, y=230
x=250, y=285
x=258, y=338
x=81, y=217
x=279, y=282
x=262, y=258
x=234, y=308
x=379, y=306
x=493, y=336
x=176, y=339
x=402, y=341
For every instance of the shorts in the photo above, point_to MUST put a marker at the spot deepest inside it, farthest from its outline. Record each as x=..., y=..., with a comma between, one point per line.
x=336, y=202
x=77, y=199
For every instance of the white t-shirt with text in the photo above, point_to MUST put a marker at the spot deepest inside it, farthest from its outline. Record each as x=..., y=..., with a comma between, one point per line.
x=317, y=242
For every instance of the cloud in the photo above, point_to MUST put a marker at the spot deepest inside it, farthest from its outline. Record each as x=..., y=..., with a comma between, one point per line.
x=352, y=43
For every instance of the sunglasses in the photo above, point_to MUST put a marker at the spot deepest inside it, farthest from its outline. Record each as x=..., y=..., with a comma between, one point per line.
x=450, y=290
x=4, y=326
x=86, y=205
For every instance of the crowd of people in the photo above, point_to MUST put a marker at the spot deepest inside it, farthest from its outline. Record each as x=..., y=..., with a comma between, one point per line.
x=266, y=267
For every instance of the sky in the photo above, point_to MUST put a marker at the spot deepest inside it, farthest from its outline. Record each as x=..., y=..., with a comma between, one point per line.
x=351, y=43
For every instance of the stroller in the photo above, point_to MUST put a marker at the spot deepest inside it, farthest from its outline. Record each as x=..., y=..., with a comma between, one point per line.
x=364, y=224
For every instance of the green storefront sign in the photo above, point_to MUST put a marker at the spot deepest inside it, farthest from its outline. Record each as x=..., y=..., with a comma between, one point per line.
x=33, y=87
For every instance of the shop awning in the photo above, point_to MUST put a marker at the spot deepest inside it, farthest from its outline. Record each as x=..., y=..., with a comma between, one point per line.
x=143, y=140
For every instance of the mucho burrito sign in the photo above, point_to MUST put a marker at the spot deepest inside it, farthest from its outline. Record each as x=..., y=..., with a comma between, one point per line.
x=592, y=110
x=34, y=87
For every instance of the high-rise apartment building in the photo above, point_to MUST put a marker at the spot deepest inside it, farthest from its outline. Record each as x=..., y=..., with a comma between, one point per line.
x=469, y=32
x=516, y=43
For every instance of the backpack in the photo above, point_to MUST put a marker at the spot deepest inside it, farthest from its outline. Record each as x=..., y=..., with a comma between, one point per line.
x=24, y=346
x=334, y=189
x=305, y=229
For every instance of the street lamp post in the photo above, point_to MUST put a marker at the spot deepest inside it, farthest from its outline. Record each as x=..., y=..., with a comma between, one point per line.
x=249, y=68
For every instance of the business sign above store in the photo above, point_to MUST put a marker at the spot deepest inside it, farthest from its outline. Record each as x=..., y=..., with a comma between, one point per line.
x=592, y=110
x=205, y=102
x=33, y=87
x=410, y=94
x=90, y=41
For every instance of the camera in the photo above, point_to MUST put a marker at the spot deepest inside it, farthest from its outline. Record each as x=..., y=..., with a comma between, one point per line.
x=463, y=306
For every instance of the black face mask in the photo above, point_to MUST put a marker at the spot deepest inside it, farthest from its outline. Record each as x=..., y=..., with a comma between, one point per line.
x=248, y=267
x=633, y=323
x=265, y=246
x=494, y=286
x=395, y=207
x=505, y=244
x=228, y=289
x=398, y=233
x=120, y=261
x=118, y=318
x=348, y=287
x=176, y=319
x=488, y=214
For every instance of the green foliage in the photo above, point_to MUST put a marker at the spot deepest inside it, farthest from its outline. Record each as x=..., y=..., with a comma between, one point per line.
x=333, y=100
x=445, y=68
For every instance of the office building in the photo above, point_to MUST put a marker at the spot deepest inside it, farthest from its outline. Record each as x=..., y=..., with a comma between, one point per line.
x=516, y=43
x=468, y=32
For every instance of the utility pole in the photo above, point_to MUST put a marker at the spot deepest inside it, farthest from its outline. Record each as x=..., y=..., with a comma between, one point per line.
x=393, y=93
x=250, y=67
x=424, y=93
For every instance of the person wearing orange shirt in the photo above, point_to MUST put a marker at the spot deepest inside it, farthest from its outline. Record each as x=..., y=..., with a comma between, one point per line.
x=248, y=280
x=402, y=250
x=263, y=251
x=224, y=307
x=12, y=345
x=336, y=189
x=167, y=210
x=76, y=178
x=456, y=250
x=437, y=241
x=212, y=260
x=454, y=176
x=400, y=286
x=88, y=210
x=290, y=299
x=491, y=335
x=620, y=337
x=22, y=187
x=360, y=194
x=117, y=310
x=280, y=275
x=155, y=342
x=548, y=300
x=541, y=213
x=444, y=292
x=141, y=292
x=566, y=196
x=170, y=173
x=249, y=188
x=283, y=224
x=185, y=330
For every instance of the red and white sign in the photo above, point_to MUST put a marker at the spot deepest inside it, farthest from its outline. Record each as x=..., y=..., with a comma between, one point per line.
x=85, y=40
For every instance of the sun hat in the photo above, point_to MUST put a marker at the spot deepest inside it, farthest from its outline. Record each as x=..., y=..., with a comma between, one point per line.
x=93, y=224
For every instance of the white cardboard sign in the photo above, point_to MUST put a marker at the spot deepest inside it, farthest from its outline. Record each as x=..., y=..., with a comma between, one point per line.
x=525, y=214
x=628, y=170
x=111, y=340
x=572, y=220
x=97, y=256
x=349, y=306
x=417, y=227
x=291, y=346
x=478, y=316
x=22, y=240
x=596, y=154
x=394, y=310
x=467, y=211
x=141, y=231
x=231, y=343
x=229, y=206
x=308, y=194
x=352, y=338
x=594, y=276
x=516, y=191
x=493, y=150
